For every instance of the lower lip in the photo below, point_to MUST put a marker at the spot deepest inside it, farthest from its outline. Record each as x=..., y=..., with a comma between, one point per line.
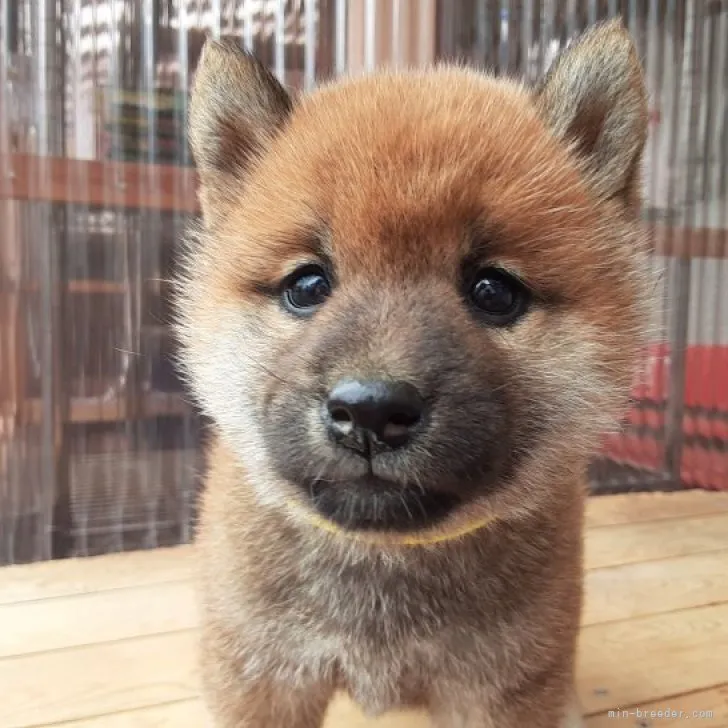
x=374, y=504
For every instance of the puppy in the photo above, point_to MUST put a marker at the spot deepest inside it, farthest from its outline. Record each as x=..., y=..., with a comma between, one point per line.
x=415, y=302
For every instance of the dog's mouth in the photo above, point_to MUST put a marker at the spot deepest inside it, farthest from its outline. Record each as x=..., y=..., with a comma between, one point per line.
x=374, y=504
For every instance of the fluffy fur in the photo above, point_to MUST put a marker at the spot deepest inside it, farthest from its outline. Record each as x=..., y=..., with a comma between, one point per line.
x=400, y=182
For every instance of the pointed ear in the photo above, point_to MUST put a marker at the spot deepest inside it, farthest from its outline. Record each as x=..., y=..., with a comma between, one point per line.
x=594, y=99
x=236, y=108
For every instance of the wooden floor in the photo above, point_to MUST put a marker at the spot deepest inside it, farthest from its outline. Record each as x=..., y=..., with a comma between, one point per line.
x=111, y=641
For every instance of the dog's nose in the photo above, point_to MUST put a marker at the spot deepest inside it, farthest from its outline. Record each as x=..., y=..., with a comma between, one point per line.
x=367, y=416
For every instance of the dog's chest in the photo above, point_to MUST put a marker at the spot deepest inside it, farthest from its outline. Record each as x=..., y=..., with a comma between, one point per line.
x=388, y=640
x=382, y=680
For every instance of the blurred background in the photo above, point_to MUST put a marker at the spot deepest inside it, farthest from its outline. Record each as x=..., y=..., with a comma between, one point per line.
x=100, y=449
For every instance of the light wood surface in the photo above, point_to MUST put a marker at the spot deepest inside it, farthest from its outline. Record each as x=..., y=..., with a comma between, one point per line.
x=111, y=642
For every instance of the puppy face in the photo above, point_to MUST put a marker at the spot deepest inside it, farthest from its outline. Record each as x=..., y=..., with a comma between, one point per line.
x=417, y=299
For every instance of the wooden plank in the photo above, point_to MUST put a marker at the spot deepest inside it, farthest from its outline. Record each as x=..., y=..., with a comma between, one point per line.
x=52, y=579
x=705, y=708
x=181, y=714
x=635, y=542
x=96, y=617
x=88, y=681
x=96, y=287
x=88, y=409
x=674, y=241
x=655, y=587
x=643, y=660
x=639, y=507
x=83, y=287
x=100, y=183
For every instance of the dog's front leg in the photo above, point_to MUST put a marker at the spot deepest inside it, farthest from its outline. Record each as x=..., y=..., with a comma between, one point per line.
x=265, y=704
x=236, y=701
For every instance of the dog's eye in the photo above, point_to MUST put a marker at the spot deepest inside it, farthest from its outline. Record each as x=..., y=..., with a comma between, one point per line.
x=499, y=297
x=306, y=289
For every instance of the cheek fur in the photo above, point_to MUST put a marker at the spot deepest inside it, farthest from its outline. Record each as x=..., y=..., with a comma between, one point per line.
x=573, y=374
x=224, y=369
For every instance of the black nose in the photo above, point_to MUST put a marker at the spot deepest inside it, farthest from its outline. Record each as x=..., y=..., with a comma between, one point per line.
x=367, y=416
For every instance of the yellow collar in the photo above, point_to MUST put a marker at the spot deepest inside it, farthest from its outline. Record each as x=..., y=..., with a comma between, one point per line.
x=409, y=540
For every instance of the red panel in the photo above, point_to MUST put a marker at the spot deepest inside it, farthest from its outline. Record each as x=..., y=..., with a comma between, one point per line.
x=706, y=390
x=701, y=467
x=706, y=376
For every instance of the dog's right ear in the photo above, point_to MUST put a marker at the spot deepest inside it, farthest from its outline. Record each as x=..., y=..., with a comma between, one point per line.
x=237, y=106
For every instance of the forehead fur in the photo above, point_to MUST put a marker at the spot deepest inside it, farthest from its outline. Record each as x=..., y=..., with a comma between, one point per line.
x=396, y=174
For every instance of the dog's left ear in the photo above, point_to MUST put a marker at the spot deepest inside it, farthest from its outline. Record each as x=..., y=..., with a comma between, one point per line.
x=594, y=99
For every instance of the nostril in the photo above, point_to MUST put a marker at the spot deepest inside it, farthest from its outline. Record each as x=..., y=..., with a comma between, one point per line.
x=340, y=415
x=403, y=420
x=342, y=420
x=398, y=427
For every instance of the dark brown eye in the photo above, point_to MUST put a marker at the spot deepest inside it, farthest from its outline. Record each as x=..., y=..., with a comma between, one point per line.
x=306, y=289
x=498, y=297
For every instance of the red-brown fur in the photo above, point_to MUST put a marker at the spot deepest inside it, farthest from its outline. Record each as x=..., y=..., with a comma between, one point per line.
x=393, y=177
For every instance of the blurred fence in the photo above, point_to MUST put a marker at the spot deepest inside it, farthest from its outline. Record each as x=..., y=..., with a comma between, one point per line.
x=99, y=449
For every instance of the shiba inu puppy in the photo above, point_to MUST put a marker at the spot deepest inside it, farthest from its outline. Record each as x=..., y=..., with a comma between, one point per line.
x=415, y=302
